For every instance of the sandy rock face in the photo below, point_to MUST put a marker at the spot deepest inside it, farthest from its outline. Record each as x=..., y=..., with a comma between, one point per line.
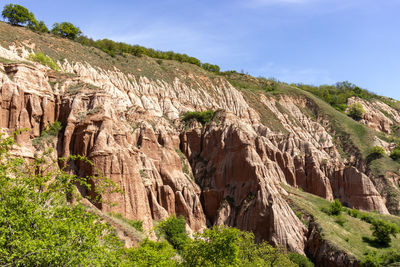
x=378, y=115
x=239, y=188
x=229, y=172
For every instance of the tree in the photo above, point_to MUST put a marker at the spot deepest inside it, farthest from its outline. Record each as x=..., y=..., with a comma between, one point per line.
x=225, y=246
x=66, y=29
x=17, y=15
x=383, y=230
x=356, y=111
x=174, y=230
x=39, y=27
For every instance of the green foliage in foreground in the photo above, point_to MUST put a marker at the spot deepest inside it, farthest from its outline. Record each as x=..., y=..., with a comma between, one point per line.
x=150, y=253
x=203, y=117
x=38, y=227
x=300, y=260
x=174, y=230
x=44, y=60
x=224, y=246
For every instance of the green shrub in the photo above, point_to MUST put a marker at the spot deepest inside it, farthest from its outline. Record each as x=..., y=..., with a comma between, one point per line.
x=174, y=230
x=210, y=67
x=371, y=259
x=335, y=208
x=40, y=27
x=382, y=231
x=47, y=135
x=356, y=111
x=44, y=60
x=201, y=116
x=395, y=155
x=300, y=260
x=225, y=246
x=152, y=253
x=367, y=218
x=375, y=152
x=354, y=213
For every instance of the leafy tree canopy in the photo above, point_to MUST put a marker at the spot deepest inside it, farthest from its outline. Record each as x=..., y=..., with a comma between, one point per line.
x=66, y=29
x=17, y=15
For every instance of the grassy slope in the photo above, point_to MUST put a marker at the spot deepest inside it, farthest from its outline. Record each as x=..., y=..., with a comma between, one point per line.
x=347, y=131
x=60, y=48
x=348, y=237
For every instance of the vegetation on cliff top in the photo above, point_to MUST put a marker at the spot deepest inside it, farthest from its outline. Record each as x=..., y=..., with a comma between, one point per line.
x=19, y=15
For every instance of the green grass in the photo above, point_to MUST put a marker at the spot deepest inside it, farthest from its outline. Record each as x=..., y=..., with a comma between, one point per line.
x=44, y=60
x=138, y=225
x=349, y=237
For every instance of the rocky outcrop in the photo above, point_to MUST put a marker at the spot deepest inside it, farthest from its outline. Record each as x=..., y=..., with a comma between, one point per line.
x=325, y=254
x=378, y=115
x=239, y=187
x=228, y=172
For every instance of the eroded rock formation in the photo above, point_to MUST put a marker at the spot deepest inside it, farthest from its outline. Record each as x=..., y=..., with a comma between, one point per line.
x=228, y=172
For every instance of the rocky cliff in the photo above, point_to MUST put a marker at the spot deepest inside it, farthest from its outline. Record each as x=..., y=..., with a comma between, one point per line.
x=127, y=120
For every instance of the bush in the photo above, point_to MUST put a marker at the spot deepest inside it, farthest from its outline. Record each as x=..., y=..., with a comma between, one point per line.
x=340, y=220
x=17, y=15
x=367, y=218
x=395, y=155
x=382, y=231
x=335, y=208
x=210, y=67
x=152, y=253
x=38, y=227
x=47, y=135
x=300, y=260
x=39, y=27
x=225, y=246
x=354, y=213
x=371, y=259
x=356, y=111
x=44, y=60
x=201, y=116
x=174, y=230
x=375, y=152
x=66, y=29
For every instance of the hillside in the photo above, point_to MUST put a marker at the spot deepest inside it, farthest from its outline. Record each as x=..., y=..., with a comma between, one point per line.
x=246, y=167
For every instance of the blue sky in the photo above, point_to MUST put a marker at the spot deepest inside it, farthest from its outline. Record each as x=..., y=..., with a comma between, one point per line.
x=308, y=41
